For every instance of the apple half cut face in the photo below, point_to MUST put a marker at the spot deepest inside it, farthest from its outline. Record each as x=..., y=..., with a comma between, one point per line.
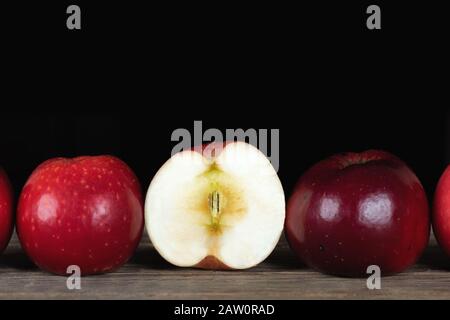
x=219, y=210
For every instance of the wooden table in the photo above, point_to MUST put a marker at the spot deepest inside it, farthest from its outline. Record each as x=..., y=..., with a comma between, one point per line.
x=148, y=276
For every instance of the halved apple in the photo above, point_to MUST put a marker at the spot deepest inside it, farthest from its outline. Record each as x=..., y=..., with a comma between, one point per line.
x=219, y=210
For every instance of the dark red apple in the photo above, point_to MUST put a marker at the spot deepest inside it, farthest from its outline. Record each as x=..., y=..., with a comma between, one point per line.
x=86, y=211
x=441, y=212
x=6, y=210
x=355, y=210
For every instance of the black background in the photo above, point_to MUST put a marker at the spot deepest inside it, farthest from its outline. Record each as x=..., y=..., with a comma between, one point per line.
x=135, y=73
x=164, y=309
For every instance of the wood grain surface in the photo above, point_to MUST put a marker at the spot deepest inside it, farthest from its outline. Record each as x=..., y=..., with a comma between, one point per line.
x=148, y=276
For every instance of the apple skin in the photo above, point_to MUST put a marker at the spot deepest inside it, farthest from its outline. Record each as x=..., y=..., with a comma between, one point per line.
x=6, y=210
x=86, y=211
x=353, y=210
x=441, y=211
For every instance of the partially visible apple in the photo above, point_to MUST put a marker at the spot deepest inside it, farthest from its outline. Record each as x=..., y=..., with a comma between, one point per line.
x=6, y=210
x=85, y=211
x=441, y=212
x=355, y=210
x=220, y=207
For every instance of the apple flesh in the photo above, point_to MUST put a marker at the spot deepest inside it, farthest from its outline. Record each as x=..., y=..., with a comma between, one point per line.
x=352, y=211
x=441, y=211
x=85, y=211
x=6, y=210
x=222, y=209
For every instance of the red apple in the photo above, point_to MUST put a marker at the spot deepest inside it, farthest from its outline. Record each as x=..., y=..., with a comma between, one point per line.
x=355, y=210
x=441, y=212
x=86, y=211
x=6, y=210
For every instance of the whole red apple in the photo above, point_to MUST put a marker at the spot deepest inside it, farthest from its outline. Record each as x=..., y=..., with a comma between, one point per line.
x=6, y=210
x=441, y=212
x=355, y=210
x=86, y=211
